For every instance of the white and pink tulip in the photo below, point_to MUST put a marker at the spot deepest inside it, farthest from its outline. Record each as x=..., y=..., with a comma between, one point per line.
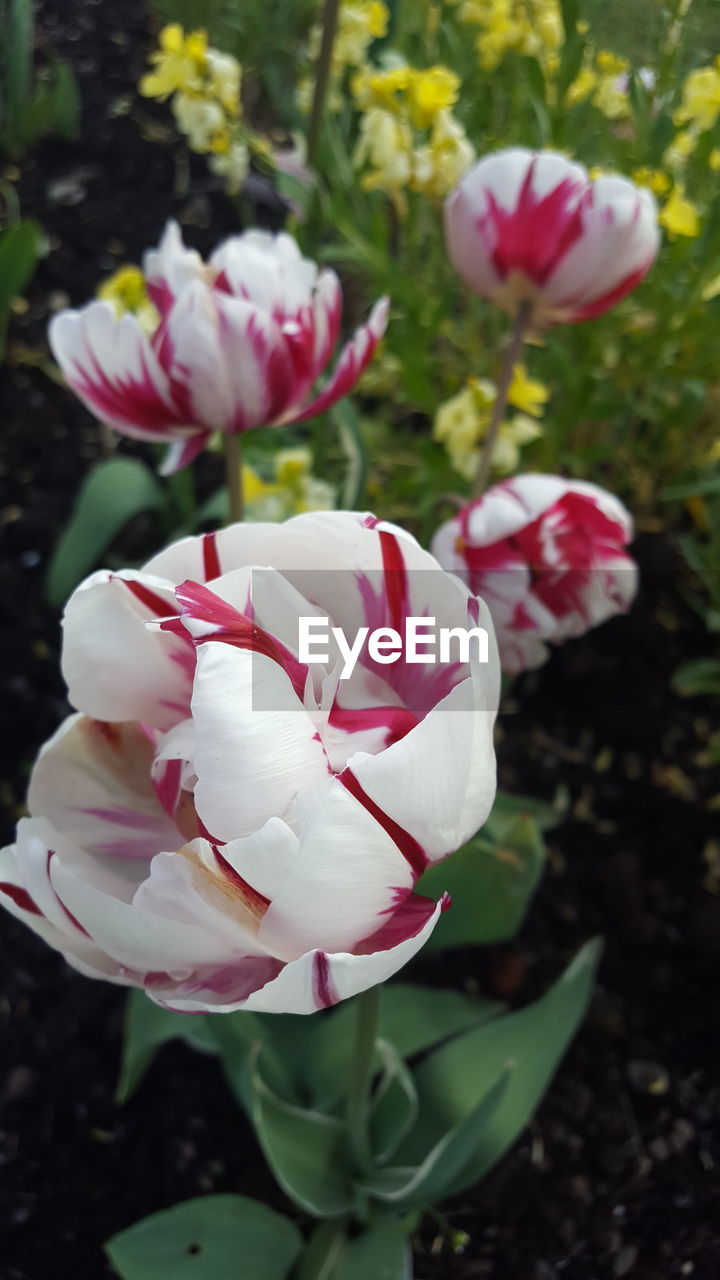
x=241, y=343
x=225, y=826
x=548, y=556
x=532, y=227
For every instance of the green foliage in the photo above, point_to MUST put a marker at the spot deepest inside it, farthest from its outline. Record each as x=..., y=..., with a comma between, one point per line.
x=211, y=1238
x=111, y=494
x=21, y=247
x=147, y=1028
x=491, y=881
x=434, y=1127
x=33, y=103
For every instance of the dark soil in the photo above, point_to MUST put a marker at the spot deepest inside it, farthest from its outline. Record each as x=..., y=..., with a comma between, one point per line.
x=618, y=1175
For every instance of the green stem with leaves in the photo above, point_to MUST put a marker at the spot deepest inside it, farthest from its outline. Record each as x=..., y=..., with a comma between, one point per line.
x=323, y=69
x=358, y=1105
x=510, y=359
x=233, y=472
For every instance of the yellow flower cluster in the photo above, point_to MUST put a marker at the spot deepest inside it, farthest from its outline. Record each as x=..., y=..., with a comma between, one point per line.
x=293, y=490
x=409, y=138
x=359, y=23
x=126, y=290
x=204, y=85
x=698, y=112
x=461, y=423
x=604, y=82
x=533, y=28
x=700, y=104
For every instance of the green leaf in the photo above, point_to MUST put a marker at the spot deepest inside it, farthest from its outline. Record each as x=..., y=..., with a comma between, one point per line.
x=110, y=496
x=210, y=1238
x=453, y=1080
x=239, y=1036
x=394, y=1105
x=439, y=1168
x=20, y=248
x=147, y=1029
x=305, y=1150
x=706, y=484
x=490, y=884
x=65, y=102
x=507, y=807
x=345, y=418
x=380, y=1253
x=412, y=1019
x=694, y=678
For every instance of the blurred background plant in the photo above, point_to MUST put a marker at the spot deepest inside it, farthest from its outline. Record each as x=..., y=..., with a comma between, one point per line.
x=34, y=102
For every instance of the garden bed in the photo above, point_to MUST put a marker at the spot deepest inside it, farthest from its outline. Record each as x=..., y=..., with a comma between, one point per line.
x=618, y=1173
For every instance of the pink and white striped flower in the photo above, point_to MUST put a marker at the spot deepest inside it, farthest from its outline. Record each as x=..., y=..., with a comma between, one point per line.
x=530, y=226
x=227, y=827
x=548, y=555
x=241, y=342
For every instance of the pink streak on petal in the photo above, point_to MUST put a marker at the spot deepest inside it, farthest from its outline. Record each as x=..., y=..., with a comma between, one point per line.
x=323, y=986
x=409, y=847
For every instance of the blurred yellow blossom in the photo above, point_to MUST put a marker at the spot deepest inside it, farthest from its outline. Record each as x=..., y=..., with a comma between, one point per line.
x=679, y=216
x=582, y=86
x=359, y=23
x=205, y=85
x=714, y=160
x=461, y=423
x=527, y=394
x=681, y=147
x=610, y=64
x=701, y=98
x=179, y=63
x=293, y=490
x=533, y=28
x=126, y=290
x=409, y=138
x=654, y=179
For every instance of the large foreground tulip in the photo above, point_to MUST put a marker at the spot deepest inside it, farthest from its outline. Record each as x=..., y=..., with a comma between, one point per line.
x=548, y=556
x=240, y=343
x=531, y=227
x=226, y=826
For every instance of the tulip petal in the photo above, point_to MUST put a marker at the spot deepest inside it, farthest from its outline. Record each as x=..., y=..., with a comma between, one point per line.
x=348, y=876
x=115, y=667
x=317, y=979
x=257, y=749
x=92, y=782
x=110, y=364
x=354, y=358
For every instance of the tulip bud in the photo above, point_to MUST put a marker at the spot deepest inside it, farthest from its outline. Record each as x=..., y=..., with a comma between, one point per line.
x=548, y=557
x=525, y=226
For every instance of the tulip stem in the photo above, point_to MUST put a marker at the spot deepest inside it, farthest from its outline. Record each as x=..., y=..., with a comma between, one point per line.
x=323, y=67
x=233, y=472
x=510, y=359
x=368, y=1007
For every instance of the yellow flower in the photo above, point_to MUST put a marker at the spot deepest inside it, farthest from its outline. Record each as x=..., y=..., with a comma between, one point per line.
x=680, y=216
x=681, y=147
x=701, y=98
x=714, y=160
x=127, y=291
x=385, y=144
x=430, y=92
x=527, y=394
x=178, y=64
x=582, y=86
x=373, y=88
x=224, y=76
x=203, y=122
x=462, y=422
x=609, y=64
x=654, y=179
x=359, y=23
x=439, y=165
